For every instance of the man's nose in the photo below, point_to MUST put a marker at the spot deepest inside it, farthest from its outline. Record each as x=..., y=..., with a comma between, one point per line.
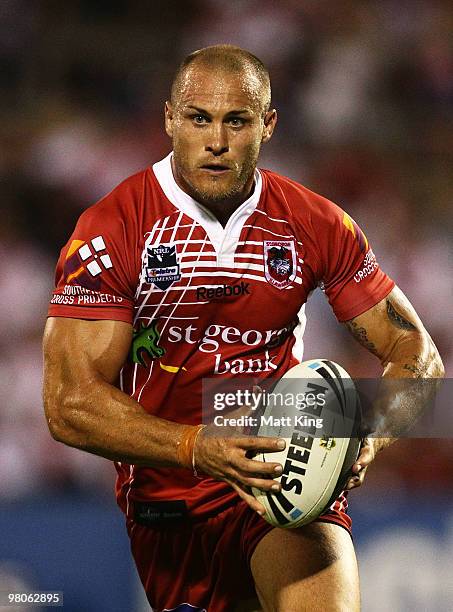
x=217, y=142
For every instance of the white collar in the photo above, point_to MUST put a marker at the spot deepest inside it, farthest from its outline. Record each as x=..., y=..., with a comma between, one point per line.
x=184, y=202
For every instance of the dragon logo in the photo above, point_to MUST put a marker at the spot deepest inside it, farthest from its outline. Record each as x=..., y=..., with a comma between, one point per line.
x=280, y=262
x=145, y=342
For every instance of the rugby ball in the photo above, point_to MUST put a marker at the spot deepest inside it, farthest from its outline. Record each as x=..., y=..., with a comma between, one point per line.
x=315, y=407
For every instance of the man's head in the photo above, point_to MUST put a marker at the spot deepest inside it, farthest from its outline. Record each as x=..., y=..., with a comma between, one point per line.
x=218, y=117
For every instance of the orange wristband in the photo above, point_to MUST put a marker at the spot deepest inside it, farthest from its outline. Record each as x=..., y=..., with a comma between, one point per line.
x=185, y=446
x=194, y=467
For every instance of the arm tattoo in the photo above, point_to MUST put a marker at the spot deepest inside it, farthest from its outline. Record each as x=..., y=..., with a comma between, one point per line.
x=397, y=319
x=360, y=335
x=420, y=368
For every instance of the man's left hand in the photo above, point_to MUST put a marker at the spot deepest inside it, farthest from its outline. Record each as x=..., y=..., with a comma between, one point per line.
x=367, y=453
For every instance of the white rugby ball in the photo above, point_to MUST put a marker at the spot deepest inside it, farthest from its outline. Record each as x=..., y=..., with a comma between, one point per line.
x=315, y=408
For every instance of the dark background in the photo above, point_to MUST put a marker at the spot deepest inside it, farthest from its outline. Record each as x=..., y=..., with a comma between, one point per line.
x=364, y=92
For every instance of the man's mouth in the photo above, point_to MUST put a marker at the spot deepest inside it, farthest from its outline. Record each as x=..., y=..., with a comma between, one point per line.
x=215, y=168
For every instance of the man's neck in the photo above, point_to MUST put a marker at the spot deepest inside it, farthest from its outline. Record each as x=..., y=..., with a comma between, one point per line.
x=221, y=209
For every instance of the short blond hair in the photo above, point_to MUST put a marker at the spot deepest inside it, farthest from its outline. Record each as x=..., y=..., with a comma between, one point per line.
x=229, y=58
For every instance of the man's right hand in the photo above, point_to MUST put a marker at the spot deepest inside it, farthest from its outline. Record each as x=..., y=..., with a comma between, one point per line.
x=229, y=459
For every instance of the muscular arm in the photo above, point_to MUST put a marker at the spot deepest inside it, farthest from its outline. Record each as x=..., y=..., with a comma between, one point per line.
x=393, y=332
x=84, y=409
x=82, y=361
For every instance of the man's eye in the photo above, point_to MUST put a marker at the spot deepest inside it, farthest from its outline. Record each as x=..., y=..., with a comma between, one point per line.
x=236, y=121
x=199, y=119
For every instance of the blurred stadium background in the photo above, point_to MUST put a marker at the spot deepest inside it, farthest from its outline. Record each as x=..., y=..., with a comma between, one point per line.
x=365, y=96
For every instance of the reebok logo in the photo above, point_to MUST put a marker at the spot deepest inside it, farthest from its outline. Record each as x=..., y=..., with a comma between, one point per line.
x=222, y=291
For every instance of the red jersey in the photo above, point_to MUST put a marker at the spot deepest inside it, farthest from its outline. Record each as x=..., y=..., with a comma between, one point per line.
x=206, y=300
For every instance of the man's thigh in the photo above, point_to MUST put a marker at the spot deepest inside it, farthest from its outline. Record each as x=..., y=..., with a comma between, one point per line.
x=308, y=569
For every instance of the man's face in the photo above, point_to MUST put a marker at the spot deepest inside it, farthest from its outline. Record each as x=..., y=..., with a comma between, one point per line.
x=217, y=124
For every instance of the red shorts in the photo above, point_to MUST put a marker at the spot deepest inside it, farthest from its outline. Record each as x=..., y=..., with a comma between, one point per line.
x=203, y=565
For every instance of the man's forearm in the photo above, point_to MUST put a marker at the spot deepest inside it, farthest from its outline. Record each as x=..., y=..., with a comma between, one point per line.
x=99, y=418
x=409, y=383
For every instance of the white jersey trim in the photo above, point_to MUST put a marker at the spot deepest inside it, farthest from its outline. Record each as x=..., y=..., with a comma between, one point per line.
x=224, y=239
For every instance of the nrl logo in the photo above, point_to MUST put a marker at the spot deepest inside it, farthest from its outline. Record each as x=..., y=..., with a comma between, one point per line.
x=280, y=264
x=327, y=442
x=162, y=267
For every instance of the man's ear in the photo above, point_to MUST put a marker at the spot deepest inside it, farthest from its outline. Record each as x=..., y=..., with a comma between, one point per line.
x=169, y=118
x=270, y=121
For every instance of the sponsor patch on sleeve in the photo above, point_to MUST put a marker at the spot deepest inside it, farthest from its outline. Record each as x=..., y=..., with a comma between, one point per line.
x=369, y=265
x=85, y=262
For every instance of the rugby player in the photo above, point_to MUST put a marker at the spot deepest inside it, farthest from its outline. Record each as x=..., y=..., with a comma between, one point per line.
x=200, y=266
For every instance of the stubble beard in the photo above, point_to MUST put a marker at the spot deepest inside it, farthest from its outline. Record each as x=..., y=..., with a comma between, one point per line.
x=214, y=197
